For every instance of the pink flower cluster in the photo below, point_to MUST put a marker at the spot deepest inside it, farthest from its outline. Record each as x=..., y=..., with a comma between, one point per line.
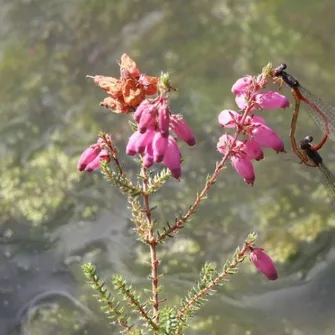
x=92, y=157
x=250, y=97
x=152, y=138
x=263, y=263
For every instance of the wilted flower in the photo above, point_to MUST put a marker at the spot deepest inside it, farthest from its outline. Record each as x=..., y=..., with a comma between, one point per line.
x=263, y=263
x=128, y=91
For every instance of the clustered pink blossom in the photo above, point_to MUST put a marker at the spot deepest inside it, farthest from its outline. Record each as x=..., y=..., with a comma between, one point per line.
x=250, y=96
x=263, y=263
x=92, y=157
x=153, y=139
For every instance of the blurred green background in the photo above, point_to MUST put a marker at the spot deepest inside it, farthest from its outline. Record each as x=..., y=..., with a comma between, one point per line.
x=53, y=218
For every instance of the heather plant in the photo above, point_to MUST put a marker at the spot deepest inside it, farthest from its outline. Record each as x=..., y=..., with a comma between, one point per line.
x=154, y=133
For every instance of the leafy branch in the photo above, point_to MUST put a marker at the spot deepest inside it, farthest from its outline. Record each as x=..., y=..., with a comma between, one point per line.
x=120, y=181
x=210, y=181
x=110, y=307
x=129, y=294
x=210, y=278
x=155, y=183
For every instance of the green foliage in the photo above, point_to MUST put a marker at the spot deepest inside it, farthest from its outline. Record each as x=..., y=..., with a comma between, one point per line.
x=157, y=181
x=119, y=181
x=104, y=296
x=133, y=300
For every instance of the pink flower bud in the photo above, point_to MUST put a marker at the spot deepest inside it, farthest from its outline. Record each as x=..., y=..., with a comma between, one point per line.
x=144, y=140
x=182, y=130
x=104, y=155
x=141, y=108
x=271, y=100
x=266, y=137
x=263, y=263
x=164, y=119
x=244, y=168
x=172, y=158
x=241, y=85
x=148, y=158
x=131, y=149
x=95, y=164
x=253, y=150
x=159, y=145
x=89, y=155
x=147, y=120
x=229, y=118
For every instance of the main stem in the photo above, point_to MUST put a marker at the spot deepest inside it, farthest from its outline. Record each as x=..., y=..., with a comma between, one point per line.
x=152, y=245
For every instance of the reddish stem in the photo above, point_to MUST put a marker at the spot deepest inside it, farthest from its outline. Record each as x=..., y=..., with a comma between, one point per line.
x=178, y=224
x=152, y=244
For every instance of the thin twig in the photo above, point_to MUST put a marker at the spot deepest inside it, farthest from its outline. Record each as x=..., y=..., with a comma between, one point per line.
x=140, y=308
x=215, y=282
x=179, y=223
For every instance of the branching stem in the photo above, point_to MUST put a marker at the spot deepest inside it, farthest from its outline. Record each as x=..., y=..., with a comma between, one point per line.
x=179, y=223
x=236, y=260
x=152, y=242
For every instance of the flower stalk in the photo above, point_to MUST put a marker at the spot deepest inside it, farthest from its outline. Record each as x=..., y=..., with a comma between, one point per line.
x=151, y=241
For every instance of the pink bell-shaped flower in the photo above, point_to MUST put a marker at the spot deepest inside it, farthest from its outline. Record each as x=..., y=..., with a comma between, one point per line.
x=182, y=129
x=144, y=140
x=253, y=150
x=164, y=119
x=131, y=148
x=271, y=100
x=159, y=145
x=88, y=156
x=172, y=158
x=148, y=158
x=266, y=137
x=229, y=118
x=241, y=85
x=244, y=168
x=263, y=263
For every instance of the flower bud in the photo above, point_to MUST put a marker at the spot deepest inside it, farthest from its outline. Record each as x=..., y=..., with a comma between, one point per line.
x=89, y=155
x=263, y=263
x=182, y=129
x=164, y=119
x=159, y=145
x=172, y=158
